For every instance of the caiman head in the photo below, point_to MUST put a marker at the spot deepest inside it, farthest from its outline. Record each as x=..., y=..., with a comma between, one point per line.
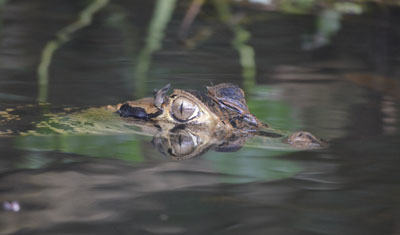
x=186, y=123
x=223, y=107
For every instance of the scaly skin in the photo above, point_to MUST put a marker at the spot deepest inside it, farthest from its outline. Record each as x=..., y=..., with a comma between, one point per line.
x=222, y=109
x=183, y=125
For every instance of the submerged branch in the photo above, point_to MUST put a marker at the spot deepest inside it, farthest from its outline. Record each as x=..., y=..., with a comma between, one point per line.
x=84, y=20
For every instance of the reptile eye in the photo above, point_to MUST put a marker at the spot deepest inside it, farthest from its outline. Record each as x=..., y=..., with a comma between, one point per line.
x=183, y=109
x=182, y=144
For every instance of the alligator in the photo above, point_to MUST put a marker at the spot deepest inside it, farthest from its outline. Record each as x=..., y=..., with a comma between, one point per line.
x=183, y=124
x=220, y=115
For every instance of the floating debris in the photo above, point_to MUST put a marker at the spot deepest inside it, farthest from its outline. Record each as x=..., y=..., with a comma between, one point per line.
x=11, y=206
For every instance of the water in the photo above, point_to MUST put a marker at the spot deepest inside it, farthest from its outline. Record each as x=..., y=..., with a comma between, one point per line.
x=338, y=80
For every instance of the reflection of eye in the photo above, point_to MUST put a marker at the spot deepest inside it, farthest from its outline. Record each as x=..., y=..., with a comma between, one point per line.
x=182, y=144
x=183, y=109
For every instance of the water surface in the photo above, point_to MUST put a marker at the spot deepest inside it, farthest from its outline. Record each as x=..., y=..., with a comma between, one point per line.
x=331, y=72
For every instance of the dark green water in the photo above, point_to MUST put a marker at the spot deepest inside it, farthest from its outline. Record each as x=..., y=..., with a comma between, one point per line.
x=322, y=69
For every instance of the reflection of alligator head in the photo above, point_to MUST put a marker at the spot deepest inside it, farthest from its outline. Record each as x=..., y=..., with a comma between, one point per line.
x=190, y=122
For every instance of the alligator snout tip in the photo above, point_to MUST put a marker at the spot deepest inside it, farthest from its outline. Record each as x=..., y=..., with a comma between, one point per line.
x=305, y=140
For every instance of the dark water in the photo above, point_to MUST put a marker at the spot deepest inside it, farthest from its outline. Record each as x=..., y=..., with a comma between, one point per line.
x=328, y=71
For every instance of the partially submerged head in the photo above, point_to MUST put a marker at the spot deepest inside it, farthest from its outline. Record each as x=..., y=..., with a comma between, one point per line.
x=223, y=106
x=192, y=121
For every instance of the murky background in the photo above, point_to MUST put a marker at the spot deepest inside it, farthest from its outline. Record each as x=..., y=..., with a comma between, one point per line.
x=328, y=68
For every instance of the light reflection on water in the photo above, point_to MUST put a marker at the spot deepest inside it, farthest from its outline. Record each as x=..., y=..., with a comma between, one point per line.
x=105, y=184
